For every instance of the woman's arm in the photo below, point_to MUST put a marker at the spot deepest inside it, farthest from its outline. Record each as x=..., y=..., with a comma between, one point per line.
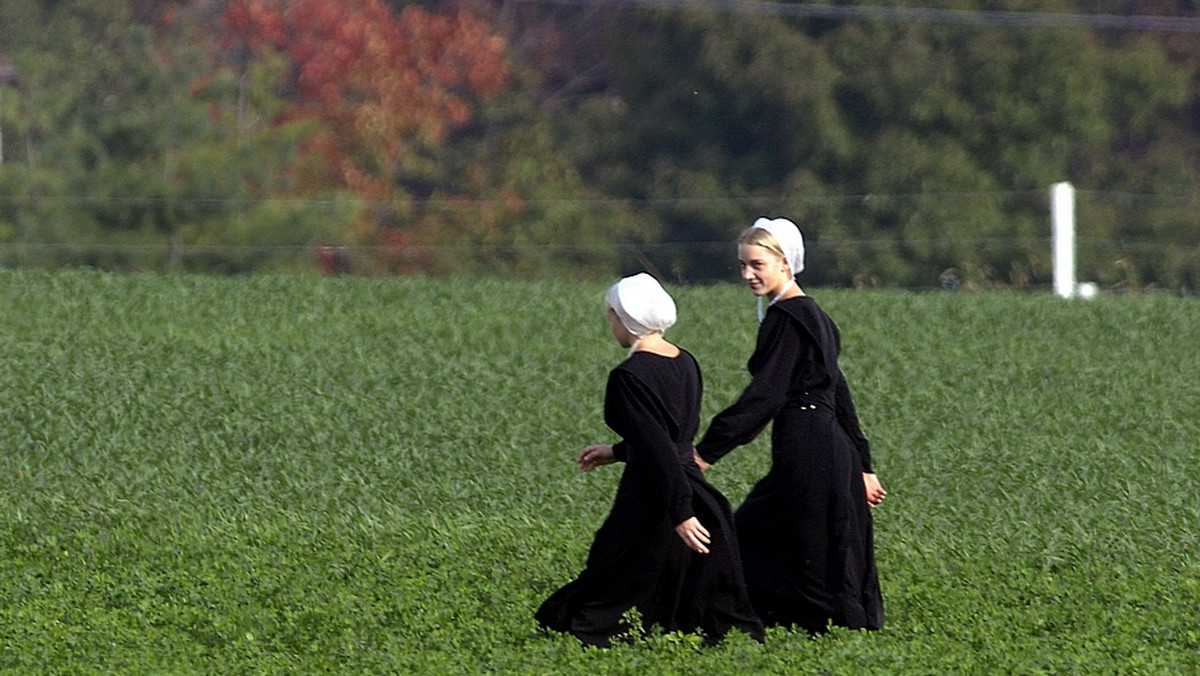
x=631, y=410
x=775, y=356
x=848, y=418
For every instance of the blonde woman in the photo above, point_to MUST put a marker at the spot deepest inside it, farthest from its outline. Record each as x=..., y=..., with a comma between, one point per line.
x=805, y=529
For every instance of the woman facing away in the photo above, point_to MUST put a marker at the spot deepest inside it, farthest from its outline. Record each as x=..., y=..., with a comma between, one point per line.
x=805, y=529
x=667, y=547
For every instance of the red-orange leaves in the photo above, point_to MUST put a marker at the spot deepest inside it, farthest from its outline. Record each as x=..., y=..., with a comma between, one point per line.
x=254, y=22
x=381, y=81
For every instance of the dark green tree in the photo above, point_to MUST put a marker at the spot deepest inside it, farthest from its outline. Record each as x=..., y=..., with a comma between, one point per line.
x=913, y=148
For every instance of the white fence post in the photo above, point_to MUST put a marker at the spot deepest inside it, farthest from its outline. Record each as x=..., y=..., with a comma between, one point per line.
x=1062, y=209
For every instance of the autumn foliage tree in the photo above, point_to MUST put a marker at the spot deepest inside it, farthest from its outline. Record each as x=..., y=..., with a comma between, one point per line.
x=383, y=86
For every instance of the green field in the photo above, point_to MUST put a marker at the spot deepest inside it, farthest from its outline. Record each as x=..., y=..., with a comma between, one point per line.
x=298, y=475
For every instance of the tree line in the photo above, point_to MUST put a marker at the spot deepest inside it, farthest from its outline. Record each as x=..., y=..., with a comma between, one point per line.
x=533, y=137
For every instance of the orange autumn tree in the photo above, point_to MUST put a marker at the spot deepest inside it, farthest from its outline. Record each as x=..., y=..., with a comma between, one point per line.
x=382, y=85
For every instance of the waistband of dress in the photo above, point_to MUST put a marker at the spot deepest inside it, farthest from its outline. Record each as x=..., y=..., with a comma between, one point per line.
x=812, y=402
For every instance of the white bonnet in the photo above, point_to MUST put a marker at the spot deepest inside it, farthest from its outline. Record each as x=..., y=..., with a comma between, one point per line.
x=641, y=303
x=791, y=243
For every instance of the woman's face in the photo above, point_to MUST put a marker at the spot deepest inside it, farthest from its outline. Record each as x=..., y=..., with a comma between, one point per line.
x=622, y=334
x=763, y=270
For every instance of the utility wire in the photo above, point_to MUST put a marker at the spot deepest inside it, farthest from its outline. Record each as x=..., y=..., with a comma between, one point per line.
x=850, y=199
x=1130, y=22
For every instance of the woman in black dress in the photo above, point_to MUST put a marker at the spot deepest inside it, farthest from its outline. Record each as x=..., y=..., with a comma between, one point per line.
x=668, y=546
x=805, y=529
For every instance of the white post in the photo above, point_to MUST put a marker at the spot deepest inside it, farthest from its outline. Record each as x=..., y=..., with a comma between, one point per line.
x=1062, y=209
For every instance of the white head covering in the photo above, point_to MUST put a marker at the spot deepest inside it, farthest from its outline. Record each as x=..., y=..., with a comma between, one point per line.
x=641, y=303
x=791, y=243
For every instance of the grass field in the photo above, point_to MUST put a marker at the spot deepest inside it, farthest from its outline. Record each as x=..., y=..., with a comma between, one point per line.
x=297, y=475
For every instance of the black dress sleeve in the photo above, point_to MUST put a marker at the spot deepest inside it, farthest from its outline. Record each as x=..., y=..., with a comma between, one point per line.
x=773, y=365
x=847, y=417
x=621, y=451
x=633, y=412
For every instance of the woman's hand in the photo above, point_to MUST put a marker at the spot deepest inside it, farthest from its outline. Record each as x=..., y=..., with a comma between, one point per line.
x=700, y=462
x=593, y=456
x=875, y=492
x=694, y=535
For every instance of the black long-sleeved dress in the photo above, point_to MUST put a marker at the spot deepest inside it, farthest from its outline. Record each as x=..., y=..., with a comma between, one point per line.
x=805, y=529
x=637, y=560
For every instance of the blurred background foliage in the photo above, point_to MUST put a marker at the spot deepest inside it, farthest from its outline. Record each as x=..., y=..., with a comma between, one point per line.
x=914, y=143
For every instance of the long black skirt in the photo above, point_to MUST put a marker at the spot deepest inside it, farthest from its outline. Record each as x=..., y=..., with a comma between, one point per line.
x=806, y=531
x=638, y=561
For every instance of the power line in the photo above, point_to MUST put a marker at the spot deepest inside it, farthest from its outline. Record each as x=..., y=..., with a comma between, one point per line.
x=1131, y=22
x=722, y=246
x=1105, y=196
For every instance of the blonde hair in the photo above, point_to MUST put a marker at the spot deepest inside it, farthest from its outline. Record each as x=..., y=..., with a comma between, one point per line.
x=759, y=237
